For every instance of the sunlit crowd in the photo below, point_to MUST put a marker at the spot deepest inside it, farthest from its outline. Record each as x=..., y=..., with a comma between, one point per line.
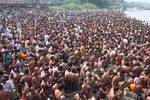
x=73, y=55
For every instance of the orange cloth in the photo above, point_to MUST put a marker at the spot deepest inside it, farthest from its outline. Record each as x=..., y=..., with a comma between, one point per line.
x=133, y=87
x=23, y=56
x=82, y=49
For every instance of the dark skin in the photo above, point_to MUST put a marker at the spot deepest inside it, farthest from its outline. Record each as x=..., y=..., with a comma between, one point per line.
x=36, y=81
x=6, y=95
x=33, y=95
x=27, y=78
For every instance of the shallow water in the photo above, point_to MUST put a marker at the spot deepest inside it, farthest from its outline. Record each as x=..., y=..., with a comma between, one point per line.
x=143, y=15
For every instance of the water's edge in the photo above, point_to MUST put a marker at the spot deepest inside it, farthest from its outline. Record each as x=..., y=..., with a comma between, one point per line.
x=143, y=15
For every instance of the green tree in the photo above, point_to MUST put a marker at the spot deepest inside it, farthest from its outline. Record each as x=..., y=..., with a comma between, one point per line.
x=106, y=3
x=100, y=3
x=72, y=1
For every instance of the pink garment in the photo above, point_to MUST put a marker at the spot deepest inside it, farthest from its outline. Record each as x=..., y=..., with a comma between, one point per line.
x=137, y=80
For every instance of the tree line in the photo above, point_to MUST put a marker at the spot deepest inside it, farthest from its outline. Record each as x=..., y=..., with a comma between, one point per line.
x=101, y=3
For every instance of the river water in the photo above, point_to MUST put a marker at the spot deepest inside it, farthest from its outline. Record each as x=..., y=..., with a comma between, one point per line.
x=143, y=15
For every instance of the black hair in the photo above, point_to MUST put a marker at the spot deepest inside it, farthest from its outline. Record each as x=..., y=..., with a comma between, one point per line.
x=81, y=94
x=1, y=87
x=26, y=71
x=21, y=82
x=1, y=72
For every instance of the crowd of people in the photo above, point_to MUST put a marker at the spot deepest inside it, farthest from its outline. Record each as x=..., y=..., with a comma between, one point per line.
x=73, y=55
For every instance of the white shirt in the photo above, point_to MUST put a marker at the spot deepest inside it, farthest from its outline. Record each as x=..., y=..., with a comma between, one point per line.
x=18, y=46
x=8, y=86
x=125, y=41
x=46, y=37
x=13, y=73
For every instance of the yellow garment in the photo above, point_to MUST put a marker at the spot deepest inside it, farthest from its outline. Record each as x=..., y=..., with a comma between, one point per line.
x=23, y=56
